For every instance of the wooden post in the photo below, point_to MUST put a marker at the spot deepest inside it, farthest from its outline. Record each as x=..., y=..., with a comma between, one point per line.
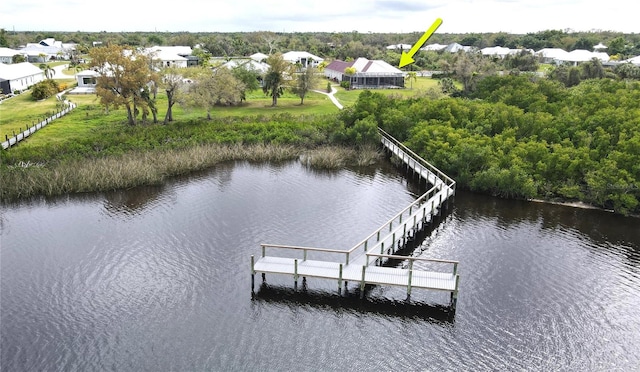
x=454, y=294
x=340, y=280
x=409, y=281
x=263, y=250
x=295, y=273
x=347, y=259
x=362, y=284
x=304, y=255
x=253, y=274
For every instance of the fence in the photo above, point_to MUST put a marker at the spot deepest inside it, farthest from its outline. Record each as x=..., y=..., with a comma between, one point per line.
x=15, y=138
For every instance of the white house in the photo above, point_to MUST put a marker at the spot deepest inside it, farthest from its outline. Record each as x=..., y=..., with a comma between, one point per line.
x=405, y=47
x=248, y=63
x=6, y=55
x=170, y=56
x=305, y=59
x=259, y=57
x=19, y=76
x=435, y=47
x=86, y=82
x=552, y=55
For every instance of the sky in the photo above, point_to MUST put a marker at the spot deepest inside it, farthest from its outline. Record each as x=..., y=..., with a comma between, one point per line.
x=400, y=16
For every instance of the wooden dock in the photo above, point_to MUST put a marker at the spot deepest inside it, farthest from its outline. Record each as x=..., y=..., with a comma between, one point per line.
x=363, y=263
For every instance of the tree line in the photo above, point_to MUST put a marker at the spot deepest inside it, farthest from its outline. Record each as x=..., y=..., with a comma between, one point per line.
x=331, y=44
x=520, y=136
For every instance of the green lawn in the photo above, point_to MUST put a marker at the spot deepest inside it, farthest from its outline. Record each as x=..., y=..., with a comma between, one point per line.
x=420, y=87
x=21, y=111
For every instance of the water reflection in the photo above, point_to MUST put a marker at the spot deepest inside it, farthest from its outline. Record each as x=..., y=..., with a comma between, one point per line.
x=350, y=301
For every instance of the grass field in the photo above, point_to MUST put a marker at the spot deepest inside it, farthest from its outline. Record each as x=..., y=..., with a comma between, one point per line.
x=420, y=87
x=19, y=112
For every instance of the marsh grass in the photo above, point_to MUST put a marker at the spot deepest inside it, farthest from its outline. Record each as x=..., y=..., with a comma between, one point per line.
x=129, y=170
x=334, y=157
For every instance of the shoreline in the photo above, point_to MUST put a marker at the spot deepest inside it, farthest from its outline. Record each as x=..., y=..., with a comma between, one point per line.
x=580, y=205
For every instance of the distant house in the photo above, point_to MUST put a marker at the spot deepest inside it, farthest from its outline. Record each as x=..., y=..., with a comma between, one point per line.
x=405, y=47
x=370, y=74
x=559, y=56
x=6, y=55
x=552, y=55
x=455, y=48
x=172, y=56
x=435, y=47
x=248, y=63
x=501, y=52
x=19, y=76
x=86, y=82
x=259, y=57
x=46, y=50
x=305, y=59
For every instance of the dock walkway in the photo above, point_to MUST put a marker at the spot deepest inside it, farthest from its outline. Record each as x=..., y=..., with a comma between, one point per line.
x=362, y=263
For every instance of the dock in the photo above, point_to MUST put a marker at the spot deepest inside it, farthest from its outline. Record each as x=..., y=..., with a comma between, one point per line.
x=367, y=263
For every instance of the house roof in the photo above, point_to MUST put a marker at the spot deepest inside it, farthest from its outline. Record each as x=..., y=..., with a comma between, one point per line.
x=248, y=63
x=634, y=60
x=18, y=70
x=495, y=51
x=87, y=73
x=399, y=46
x=555, y=53
x=295, y=56
x=364, y=66
x=258, y=57
x=165, y=54
x=435, y=46
x=179, y=50
x=34, y=49
x=581, y=55
x=455, y=47
x=7, y=52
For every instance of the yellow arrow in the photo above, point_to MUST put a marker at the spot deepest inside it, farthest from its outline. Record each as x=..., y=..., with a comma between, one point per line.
x=407, y=58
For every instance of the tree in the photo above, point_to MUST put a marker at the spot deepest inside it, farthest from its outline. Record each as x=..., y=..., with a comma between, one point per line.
x=249, y=77
x=48, y=70
x=211, y=89
x=275, y=79
x=305, y=81
x=469, y=68
x=173, y=83
x=411, y=77
x=18, y=58
x=122, y=78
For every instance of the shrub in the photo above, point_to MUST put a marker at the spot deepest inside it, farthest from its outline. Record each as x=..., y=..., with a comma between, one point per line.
x=345, y=84
x=44, y=89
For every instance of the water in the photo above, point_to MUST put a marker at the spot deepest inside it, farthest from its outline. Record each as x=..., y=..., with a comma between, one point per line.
x=158, y=279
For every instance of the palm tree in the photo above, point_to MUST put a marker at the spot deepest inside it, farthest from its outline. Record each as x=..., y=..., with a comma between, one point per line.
x=412, y=76
x=48, y=70
x=275, y=78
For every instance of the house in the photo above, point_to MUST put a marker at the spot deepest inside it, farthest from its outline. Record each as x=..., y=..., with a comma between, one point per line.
x=46, y=50
x=305, y=59
x=19, y=76
x=370, y=74
x=6, y=55
x=259, y=57
x=172, y=56
x=552, y=55
x=435, y=47
x=634, y=60
x=86, y=82
x=248, y=63
x=455, y=48
x=405, y=47
x=260, y=68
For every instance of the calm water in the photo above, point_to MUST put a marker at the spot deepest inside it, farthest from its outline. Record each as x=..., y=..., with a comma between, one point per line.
x=157, y=279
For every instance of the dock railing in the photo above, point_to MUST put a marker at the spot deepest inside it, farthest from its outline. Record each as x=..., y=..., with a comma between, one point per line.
x=413, y=157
